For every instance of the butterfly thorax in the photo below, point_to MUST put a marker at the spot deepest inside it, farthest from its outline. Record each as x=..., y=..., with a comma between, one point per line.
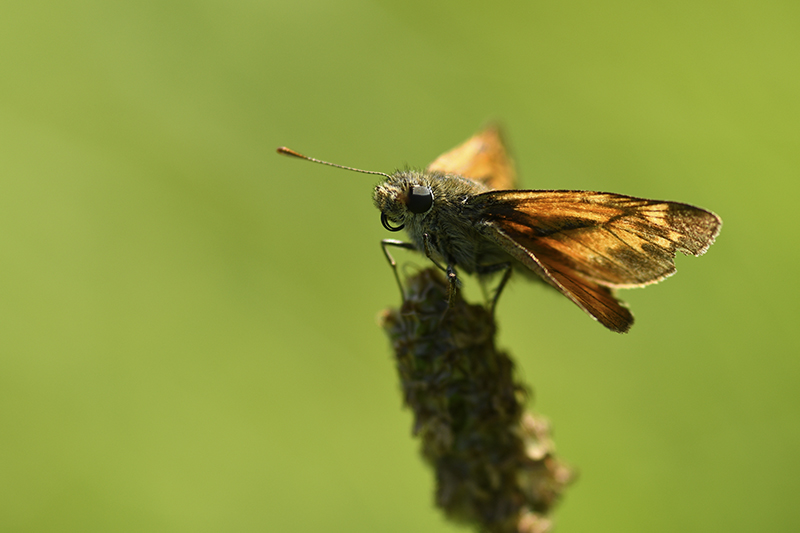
x=453, y=234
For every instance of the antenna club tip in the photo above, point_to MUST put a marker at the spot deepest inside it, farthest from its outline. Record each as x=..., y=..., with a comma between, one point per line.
x=287, y=151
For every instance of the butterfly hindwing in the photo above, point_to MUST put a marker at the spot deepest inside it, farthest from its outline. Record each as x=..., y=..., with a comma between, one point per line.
x=482, y=158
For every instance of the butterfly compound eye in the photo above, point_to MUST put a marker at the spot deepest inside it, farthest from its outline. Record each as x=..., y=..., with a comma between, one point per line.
x=420, y=199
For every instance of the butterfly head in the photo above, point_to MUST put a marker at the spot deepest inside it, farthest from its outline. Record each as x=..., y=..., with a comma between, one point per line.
x=401, y=198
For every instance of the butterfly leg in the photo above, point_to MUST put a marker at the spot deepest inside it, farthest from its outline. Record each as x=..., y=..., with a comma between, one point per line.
x=427, y=240
x=490, y=269
x=500, y=287
x=400, y=244
x=452, y=278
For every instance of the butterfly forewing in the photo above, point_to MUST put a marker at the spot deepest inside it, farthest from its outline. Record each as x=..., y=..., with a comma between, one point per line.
x=587, y=242
x=615, y=240
x=483, y=158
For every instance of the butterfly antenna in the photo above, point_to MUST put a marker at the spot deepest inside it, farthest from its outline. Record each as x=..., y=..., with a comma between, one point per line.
x=287, y=151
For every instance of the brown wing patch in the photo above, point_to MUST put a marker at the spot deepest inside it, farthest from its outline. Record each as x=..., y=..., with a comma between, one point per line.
x=483, y=158
x=613, y=240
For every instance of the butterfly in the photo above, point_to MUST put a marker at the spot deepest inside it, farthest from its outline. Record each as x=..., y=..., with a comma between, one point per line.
x=465, y=214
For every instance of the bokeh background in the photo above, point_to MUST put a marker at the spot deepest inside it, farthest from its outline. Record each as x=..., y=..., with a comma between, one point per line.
x=188, y=320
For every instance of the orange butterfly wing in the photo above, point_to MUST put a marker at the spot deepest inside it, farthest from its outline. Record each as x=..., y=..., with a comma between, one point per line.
x=586, y=243
x=482, y=158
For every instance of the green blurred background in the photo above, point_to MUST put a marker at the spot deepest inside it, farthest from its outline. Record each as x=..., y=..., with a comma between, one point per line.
x=188, y=320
